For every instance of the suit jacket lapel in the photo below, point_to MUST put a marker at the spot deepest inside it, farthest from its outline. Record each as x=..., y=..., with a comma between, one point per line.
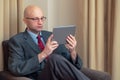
x=45, y=36
x=30, y=42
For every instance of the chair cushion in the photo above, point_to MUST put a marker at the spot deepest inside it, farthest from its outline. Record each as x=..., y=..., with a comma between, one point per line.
x=95, y=74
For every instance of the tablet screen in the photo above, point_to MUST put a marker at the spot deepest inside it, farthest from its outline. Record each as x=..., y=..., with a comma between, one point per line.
x=60, y=33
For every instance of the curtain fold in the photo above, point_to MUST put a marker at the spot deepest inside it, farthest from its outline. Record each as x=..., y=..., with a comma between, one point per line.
x=109, y=33
x=116, y=43
x=13, y=15
x=91, y=33
x=99, y=37
x=1, y=32
x=20, y=10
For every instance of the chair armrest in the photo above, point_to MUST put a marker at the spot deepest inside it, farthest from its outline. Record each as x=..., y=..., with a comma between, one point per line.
x=5, y=75
x=96, y=75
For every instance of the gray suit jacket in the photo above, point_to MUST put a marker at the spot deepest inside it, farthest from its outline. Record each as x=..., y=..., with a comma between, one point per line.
x=23, y=59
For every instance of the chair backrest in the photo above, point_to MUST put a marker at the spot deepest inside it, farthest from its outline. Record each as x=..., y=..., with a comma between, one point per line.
x=5, y=53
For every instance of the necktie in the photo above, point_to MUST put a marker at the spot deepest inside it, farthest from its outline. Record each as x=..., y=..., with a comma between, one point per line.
x=40, y=43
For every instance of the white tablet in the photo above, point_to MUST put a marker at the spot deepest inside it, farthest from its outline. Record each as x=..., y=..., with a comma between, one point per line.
x=60, y=33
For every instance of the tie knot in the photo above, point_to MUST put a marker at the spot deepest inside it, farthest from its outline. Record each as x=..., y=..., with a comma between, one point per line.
x=38, y=37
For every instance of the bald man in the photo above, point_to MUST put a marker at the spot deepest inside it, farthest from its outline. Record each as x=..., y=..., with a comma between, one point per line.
x=52, y=62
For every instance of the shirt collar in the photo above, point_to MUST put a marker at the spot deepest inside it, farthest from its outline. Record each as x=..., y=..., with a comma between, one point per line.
x=33, y=35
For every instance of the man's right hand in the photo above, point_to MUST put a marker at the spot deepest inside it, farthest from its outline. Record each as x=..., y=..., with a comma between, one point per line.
x=49, y=48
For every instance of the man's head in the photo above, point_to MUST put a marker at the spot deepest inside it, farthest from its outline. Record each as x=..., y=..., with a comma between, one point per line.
x=34, y=18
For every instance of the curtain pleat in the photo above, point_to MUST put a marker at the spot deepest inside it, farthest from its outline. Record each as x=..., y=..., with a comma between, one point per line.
x=1, y=32
x=116, y=42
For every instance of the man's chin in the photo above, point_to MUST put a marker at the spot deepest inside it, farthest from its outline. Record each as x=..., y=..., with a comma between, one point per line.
x=39, y=30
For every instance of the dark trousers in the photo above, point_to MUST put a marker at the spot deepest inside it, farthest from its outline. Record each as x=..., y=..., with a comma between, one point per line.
x=58, y=68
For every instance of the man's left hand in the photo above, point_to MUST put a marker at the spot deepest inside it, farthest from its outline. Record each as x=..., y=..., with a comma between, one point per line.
x=71, y=45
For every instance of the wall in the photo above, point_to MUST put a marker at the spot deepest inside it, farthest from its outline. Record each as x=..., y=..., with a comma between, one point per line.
x=62, y=12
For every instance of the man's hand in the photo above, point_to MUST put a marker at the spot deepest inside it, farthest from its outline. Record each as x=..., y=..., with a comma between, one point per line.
x=71, y=45
x=49, y=48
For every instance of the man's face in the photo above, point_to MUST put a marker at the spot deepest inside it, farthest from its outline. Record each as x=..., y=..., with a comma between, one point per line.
x=34, y=20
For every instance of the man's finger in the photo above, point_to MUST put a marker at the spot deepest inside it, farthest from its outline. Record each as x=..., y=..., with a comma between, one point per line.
x=50, y=38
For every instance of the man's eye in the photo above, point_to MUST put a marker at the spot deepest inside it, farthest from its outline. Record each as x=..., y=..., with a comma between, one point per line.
x=42, y=18
x=35, y=18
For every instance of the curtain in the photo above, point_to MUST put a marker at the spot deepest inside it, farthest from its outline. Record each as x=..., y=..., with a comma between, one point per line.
x=10, y=21
x=13, y=15
x=100, y=21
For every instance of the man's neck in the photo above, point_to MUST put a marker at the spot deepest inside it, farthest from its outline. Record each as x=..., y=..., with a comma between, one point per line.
x=35, y=32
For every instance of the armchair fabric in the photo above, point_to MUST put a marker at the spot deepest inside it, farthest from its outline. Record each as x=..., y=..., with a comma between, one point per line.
x=6, y=75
